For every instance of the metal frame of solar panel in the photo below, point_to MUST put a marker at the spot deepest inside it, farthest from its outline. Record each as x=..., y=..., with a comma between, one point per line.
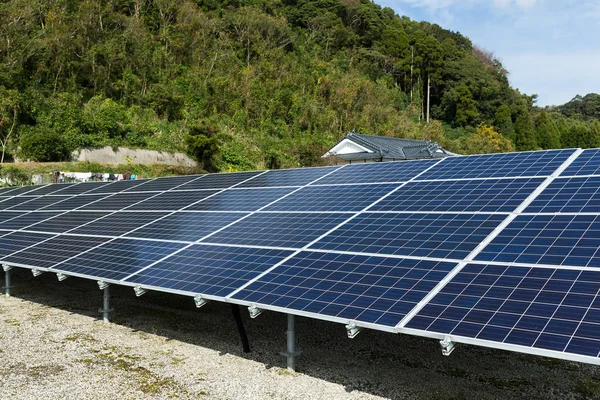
x=410, y=247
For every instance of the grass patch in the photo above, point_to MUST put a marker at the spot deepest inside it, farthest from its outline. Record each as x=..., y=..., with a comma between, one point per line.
x=12, y=322
x=588, y=388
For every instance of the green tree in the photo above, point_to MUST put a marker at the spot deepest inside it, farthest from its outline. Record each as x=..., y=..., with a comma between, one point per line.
x=524, y=130
x=547, y=135
x=503, y=121
x=486, y=140
x=42, y=144
x=203, y=145
x=9, y=111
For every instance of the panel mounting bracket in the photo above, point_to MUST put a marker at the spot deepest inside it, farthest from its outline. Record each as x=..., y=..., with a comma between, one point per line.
x=352, y=330
x=254, y=311
x=61, y=277
x=36, y=272
x=447, y=345
x=7, y=267
x=199, y=301
x=102, y=285
x=139, y=291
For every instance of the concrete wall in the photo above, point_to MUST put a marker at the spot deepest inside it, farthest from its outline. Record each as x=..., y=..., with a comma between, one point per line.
x=124, y=155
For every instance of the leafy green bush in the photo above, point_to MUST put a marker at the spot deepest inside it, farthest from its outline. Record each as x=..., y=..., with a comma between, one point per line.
x=42, y=144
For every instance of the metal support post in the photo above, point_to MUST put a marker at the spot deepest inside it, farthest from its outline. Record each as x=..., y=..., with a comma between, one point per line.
x=291, y=352
x=237, y=316
x=106, y=310
x=7, y=280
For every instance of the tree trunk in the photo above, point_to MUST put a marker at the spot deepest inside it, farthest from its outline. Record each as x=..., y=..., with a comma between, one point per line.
x=5, y=141
x=428, y=94
x=412, y=57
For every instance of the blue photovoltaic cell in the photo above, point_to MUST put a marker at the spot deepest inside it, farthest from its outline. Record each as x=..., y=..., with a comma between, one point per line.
x=209, y=270
x=66, y=221
x=82, y=188
x=28, y=189
x=288, y=177
x=568, y=195
x=533, y=163
x=16, y=241
x=74, y=202
x=118, y=186
x=53, y=189
x=173, y=201
x=219, y=181
x=26, y=220
x=4, y=216
x=376, y=290
x=489, y=195
x=35, y=203
x=241, y=199
x=6, y=191
x=186, y=226
x=544, y=308
x=332, y=198
x=419, y=235
x=13, y=201
x=118, y=223
x=548, y=239
x=118, y=201
x=53, y=251
x=162, y=184
x=278, y=229
x=118, y=258
x=398, y=171
x=588, y=163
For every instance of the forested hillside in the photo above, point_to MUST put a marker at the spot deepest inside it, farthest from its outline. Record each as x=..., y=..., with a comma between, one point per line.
x=248, y=84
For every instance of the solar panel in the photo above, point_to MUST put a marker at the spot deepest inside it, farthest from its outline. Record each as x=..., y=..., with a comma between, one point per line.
x=53, y=251
x=398, y=171
x=25, y=190
x=568, y=195
x=16, y=241
x=35, y=203
x=117, y=201
x=332, y=198
x=451, y=236
x=26, y=220
x=173, y=201
x=14, y=201
x=369, y=289
x=74, y=202
x=219, y=181
x=533, y=163
x=588, y=163
x=186, y=226
x=5, y=191
x=118, y=186
x=118, y=258
x=66, y=221
x=241, y=199
x=490, y=195
x=4, y=216
x=547, y=308
x=81, y=188
x=50, y=189
x=288, y=177
x=209, y=270
x=548, y=239
x=278, y=229
x=162, y=184
x=118, y=223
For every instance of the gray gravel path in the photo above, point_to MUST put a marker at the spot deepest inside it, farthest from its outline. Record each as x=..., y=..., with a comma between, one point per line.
x=53, y=346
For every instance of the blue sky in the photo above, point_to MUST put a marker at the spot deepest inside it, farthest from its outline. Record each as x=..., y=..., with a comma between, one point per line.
x=550, y=47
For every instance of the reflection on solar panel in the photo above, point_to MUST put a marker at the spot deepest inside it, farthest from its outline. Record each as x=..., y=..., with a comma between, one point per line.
x=288, y=177
x=568, y=195
x=118, y=223
x=218, y=181
x=546, y=308
x=53, y=251
x=490, y=195
x=240, y=199
x=451, y=236
x=400, y=171
x=360, y=288
x=186, y=226
x=548, y=239
x=588, y=163
x=212, y=270
x=26, y=220
x=332, y=198
x=499, y=165
x=278, y=229
x=117, y=259
x=66, y=221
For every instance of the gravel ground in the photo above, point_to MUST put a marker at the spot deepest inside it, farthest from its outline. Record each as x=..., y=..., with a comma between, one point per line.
x=53, y=346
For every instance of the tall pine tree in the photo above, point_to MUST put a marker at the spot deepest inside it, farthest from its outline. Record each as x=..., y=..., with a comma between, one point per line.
x=547, y=132
x=525, y=132
x=503, y=122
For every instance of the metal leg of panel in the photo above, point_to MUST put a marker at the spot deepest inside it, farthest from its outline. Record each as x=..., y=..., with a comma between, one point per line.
x=106, y=310
x=291, y=352
x=7, y=280
x=237, y=316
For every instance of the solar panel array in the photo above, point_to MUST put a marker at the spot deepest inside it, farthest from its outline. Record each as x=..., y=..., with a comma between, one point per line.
x=499, y=250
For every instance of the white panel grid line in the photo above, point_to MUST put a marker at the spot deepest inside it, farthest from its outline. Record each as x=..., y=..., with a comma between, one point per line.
x=305, y=247
x=487, y=240
x=232, y=223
